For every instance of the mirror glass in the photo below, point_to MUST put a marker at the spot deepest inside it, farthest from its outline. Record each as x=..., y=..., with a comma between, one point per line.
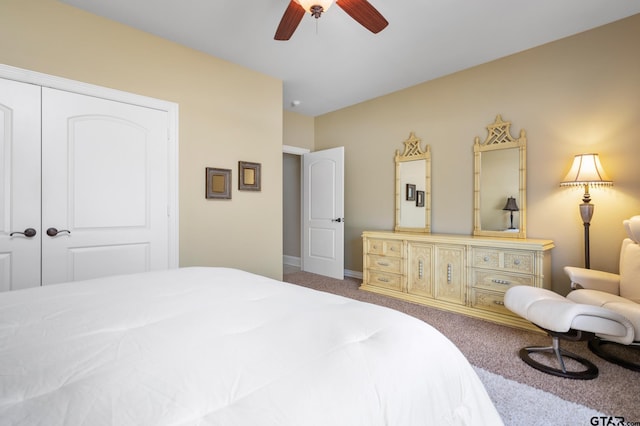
x=500, y=190
x=499, y=181
x=413, y=187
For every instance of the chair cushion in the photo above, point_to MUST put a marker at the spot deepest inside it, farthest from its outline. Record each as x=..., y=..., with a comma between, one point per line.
x=553, y=312
x=630, y=271
x=624, y=307
x=596, y=297
x=593, y=279
x=632, y=226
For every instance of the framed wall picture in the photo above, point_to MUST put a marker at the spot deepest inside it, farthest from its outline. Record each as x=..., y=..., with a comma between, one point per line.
x=419, y=198
x=218, y=183
x=249, y=176
x=411, y=192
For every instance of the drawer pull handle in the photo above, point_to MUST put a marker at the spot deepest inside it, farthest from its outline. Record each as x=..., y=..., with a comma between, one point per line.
x=501, y=281
x=449, y=273
x=420, y=269
x=486, y=258
x=517, y=261
x=383, y=264
x=391, y=249
x=383, y=280
x=498, y=302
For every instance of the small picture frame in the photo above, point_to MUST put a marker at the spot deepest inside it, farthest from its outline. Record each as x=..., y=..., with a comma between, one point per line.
x=419, y=198
x=218, y=183
x=249, y=178
x=411, y=192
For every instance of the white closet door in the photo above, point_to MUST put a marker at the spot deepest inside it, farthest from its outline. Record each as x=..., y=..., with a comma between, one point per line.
x=104, y=187
x=19, y=185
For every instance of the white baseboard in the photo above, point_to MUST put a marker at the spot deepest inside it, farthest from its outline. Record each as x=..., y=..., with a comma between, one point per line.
x=291, y=261
x=352, y=274
x=296, y=261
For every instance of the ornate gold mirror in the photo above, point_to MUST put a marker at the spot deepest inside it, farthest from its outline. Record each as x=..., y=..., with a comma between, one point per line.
x=500, y=182
x=413, y=187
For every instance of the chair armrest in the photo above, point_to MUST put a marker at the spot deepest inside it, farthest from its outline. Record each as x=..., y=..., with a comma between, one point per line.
x=593, y=280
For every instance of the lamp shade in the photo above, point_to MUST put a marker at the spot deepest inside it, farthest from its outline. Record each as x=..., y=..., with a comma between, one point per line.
x=586, y=170
x=307, y=4
x=511, y=205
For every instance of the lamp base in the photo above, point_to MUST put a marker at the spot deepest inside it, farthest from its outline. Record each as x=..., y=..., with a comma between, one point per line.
x=586, y=212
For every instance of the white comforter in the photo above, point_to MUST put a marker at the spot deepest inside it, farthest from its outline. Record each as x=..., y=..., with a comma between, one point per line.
x=216, y=346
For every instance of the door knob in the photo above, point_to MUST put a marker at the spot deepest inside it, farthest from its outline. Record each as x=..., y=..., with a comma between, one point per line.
x=29, y=232
x=340, y=219
x=52, y=232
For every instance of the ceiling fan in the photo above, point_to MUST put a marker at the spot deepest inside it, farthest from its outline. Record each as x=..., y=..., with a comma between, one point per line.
x=360, y=10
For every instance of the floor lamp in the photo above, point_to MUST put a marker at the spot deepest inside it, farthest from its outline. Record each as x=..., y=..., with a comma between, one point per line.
x=586, y=170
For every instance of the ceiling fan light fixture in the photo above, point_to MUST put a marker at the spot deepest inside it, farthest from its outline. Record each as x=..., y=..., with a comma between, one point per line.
x=315, y=7
x=360, y=10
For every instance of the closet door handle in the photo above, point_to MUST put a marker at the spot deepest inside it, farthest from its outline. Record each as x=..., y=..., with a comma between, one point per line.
x=52, y=232
x=29, y=232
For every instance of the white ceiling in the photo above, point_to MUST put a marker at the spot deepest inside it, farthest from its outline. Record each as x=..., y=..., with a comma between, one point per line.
x=334, y=62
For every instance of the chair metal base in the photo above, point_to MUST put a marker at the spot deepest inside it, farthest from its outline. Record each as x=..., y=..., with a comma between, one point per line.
x=591, y=371
x=597, y=346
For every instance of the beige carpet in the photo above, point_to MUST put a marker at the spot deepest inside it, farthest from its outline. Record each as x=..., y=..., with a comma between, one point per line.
x=495, y=348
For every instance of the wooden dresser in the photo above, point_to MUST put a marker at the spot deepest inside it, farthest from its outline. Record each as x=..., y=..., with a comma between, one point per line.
x=460, y=273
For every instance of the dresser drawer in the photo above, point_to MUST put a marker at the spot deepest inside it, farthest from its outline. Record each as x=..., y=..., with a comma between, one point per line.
x=384, y=247
x=385, y=263
x=386, y=280
x=485, y=258
x=521, y=261
x=512, y=260
x=498, y=280
x=489, y=301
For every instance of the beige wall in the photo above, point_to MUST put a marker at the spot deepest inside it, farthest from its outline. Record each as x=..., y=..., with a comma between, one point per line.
x=227, y=114
x=298, y=130
x=577, y=95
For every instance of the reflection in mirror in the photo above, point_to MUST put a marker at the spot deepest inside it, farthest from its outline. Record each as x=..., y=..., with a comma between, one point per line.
x=500, y=183
x=413, y=187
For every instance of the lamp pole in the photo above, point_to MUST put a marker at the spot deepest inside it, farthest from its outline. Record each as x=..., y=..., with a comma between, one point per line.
x=586, y=212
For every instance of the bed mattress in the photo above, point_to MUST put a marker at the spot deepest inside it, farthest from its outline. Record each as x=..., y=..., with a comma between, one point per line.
x=219, y=346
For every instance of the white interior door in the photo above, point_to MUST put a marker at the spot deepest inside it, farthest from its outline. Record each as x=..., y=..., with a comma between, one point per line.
x=104, y=188
x=323, y=212
x=19, y=185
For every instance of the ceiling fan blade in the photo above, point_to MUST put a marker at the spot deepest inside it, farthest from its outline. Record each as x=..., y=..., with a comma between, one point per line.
x=290, y=20
x=363, y=12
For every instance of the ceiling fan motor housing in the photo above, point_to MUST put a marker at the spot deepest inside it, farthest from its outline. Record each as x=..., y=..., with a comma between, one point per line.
x=316, y=11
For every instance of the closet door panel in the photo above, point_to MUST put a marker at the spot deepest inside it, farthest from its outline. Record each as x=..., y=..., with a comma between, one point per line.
x=108, y=170
x=19, y=185
x=92, y=262
x=105, y=178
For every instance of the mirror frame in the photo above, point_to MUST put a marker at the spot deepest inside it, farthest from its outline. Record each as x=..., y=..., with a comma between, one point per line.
x=413, y=152
x=499, y=137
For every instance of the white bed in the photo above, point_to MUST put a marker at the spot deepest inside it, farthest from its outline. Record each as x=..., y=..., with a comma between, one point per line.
x=217, y=346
